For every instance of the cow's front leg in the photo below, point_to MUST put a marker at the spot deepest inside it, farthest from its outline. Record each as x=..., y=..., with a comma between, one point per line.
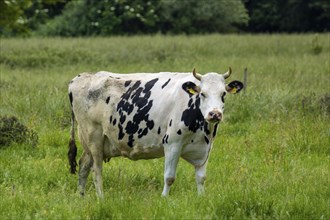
x=200, y=172
x=172, y=155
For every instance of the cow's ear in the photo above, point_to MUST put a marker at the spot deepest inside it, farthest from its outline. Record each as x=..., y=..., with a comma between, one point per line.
x=191, y=88
x=234, y=87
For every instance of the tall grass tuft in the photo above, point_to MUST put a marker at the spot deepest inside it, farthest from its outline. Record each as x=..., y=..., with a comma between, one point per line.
x=13, y=131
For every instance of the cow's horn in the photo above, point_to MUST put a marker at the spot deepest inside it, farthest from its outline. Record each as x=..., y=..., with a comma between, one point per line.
x=227, y=74
x=196, y=75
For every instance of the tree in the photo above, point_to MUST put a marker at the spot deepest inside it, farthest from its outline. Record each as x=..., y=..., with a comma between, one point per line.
x=110, y=17
x=107, y=17
x=23, y=16
x=187, y=16
x=12, y=19
x=288, y=15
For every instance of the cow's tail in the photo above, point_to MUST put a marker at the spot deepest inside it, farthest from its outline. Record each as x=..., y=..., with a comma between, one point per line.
x=72, y=153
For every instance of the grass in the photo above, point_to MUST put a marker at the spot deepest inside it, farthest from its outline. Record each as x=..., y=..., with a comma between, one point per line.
x=269, y=161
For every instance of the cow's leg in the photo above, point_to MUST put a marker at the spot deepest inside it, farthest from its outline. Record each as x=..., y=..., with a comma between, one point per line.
x=85, y=165
x=85, y=162
x=172, y=155
x=95, y=143
x=97, y=175
x=200, y=173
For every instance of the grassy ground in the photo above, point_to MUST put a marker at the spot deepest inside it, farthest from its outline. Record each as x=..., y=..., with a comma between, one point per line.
x=270, y=159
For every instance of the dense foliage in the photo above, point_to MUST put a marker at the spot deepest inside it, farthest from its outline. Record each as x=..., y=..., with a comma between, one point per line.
x=88, y=17
x=288, y=16
x=121, y=17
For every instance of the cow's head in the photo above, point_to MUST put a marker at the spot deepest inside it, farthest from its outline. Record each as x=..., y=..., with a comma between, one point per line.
x=212, y=90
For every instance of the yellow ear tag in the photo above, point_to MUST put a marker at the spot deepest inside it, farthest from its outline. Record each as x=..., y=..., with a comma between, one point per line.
x=191, y=91
x=233, y=90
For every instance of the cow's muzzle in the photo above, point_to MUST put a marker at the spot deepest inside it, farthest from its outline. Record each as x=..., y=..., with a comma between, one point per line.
x=214, y=116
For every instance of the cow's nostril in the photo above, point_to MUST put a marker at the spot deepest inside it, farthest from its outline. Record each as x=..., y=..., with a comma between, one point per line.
x=215, y=116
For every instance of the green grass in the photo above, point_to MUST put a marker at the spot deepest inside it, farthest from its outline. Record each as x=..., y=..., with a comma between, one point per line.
x=269, y=161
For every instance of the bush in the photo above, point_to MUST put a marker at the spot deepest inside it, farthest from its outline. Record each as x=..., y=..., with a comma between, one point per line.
x=112, y=17
x=11, y=130
x=208, y=16
x=90, y=18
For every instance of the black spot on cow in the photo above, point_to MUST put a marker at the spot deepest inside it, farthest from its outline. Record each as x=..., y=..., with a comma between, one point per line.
x=94, y=94
x=223, y=97
x=134, y=87
x=125, y=106
x=165, y=139
x=192, y=116
x=131, y=127
x=130, y=141
x=121, y=133
x=114, y=122
x=122, y=119
x=165, y=84
x=179, y=132
x=108, y=100
x=206, y=140
x=143, y=133
x=192, y=141
x=215, y=129
x=150, y=124
x=170, y=123
x=149, y=85
x=110, y=119
x=190, y=102
x=137, y=99
x=206, y=128
x=127, y=82
x=71, y=98
x=159, y=130
x=142, y=113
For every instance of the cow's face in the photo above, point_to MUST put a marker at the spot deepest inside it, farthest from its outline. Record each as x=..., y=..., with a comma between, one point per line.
x=212, y=91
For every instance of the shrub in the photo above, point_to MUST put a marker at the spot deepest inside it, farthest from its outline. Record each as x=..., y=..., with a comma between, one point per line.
x=111, y=17
x=12, y=130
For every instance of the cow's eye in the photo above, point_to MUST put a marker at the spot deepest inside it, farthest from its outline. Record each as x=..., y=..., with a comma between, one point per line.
x=223, y=97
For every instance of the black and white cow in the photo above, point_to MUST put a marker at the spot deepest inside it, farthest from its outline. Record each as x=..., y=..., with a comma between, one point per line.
x=145, y=116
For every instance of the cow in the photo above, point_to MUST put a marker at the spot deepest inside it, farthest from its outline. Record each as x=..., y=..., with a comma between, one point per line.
x=146, y=116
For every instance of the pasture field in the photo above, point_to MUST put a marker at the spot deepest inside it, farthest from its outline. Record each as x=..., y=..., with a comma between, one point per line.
x=270, y=159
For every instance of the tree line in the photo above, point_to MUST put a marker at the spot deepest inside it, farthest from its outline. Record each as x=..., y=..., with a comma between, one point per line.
x=126, y=17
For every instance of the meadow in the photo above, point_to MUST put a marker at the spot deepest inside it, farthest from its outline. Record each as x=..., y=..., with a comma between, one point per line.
x=270, y=159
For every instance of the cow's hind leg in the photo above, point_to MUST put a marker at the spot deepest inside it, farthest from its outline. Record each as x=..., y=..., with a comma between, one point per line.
x=85, y=165
x=95, y=144
x=92, y=140
x=97, y=175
